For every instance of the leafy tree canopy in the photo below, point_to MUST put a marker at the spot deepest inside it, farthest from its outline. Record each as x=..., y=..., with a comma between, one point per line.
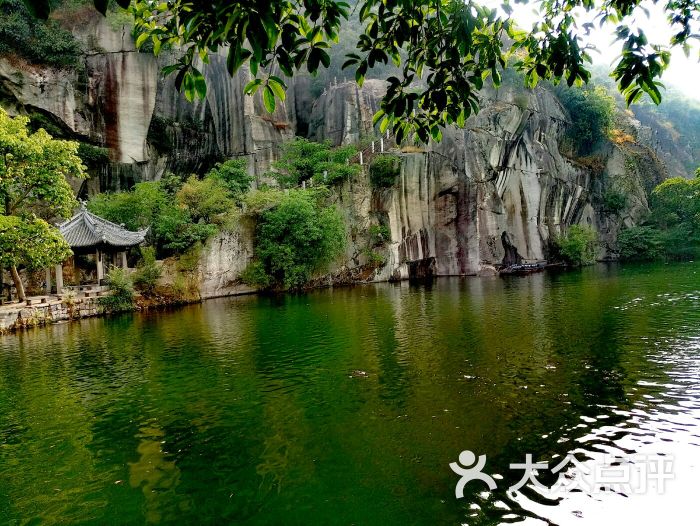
x=34, y=168
x=33, y=172
x=30, y=242
x=673, y=229
x=179, y=214
x=303, y=160
x=233, y=174
x=592, y=113
x=448, y=47
x=297, y=234
x=676, y=201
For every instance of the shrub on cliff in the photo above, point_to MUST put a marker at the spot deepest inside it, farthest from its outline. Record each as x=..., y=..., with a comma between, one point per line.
x=178, y=214
x=640, y=243
x=233, y=174
x=379, y=235
x=295, y=236
x=39, y=41
x=675, y=206
x=384, y=170
x=577, y=247
x=304, y=160
x=147, y=271
x=206, y=200
x=122, y=288
x=614, y=202
x=591, y=111
x=672, y=230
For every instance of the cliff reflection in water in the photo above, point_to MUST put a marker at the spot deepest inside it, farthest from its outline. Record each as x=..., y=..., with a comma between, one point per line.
x=248, y=410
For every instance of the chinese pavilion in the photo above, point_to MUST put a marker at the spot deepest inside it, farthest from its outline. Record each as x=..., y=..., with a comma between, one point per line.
x=88, y=234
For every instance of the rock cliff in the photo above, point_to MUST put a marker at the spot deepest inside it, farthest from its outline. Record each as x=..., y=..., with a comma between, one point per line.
x=496, y=192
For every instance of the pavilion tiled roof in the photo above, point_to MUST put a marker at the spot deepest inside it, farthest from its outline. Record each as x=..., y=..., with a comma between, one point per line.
x=85, y=230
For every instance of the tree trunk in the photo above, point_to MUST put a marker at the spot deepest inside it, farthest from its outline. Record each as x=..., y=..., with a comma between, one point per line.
x=18, y=283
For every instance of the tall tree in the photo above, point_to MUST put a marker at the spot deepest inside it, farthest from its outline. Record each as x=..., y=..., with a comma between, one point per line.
x=445, y=47
x=33, y=188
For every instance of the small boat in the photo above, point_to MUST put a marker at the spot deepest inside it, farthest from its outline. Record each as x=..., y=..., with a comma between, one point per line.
x=523, y=269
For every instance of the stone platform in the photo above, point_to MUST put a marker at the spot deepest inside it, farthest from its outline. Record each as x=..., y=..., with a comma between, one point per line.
x=42, y=310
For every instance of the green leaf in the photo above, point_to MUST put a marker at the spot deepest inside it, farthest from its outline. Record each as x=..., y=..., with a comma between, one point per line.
x=278, y=87
x=349, y=62
x=200, y=84
x=314, y=59
x=141, y=39
x=384, y=125
x=461, y=119
x=156, y=45
x=377, y=116
x=236, y=58
x=269, y=99
x=252, y=86
x=325, y=58
x=188, y=83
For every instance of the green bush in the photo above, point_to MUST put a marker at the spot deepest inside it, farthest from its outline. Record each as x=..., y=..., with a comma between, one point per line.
x=206, y=200
x=171, y=183
x=592, y=111
x=640, y=243
x=384, y=170
x=374, y=259
x=614, y=202
x=39, y=41
x=201, y=207
x=304, y=160
x=233, y=175
x=258, y=201
x=136, y=209
x=175, y=231
x=255, y=275
x=379, y=235
x=93, y=156
x=578, y=246
x=675, y=212
x=122, y=288
x=298, y=236
x=676, y=201
x=681, y=242
x=147, y=271
x=189, y=260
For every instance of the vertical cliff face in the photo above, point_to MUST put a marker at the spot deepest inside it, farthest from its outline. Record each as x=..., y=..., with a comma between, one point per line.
x=343, y=113
x=495, y=193
x=118, y=99
x=188, y=137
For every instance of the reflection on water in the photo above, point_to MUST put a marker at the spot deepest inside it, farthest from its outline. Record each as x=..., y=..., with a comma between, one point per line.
x=247, y=410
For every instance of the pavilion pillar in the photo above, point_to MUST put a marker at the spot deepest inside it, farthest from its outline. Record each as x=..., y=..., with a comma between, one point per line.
x=100, y=267
x=47, y=287
x=59, y=278
x=125, y=264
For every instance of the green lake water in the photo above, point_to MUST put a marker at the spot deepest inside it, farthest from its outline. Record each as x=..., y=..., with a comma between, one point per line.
x=252, y=410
